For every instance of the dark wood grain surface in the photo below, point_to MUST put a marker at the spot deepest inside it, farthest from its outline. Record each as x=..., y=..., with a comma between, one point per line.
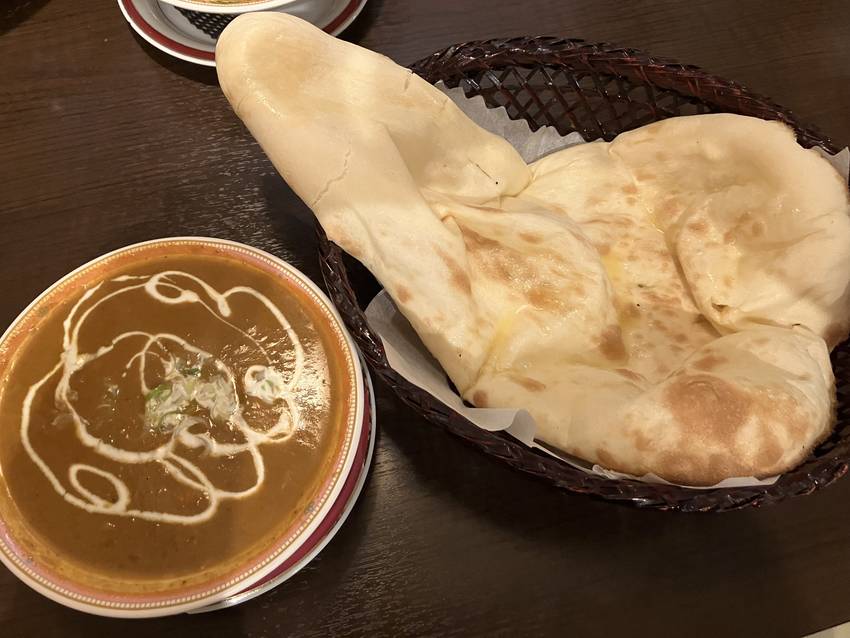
x=105, y=142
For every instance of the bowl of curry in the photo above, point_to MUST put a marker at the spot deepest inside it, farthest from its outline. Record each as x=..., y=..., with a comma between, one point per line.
x=177, y=418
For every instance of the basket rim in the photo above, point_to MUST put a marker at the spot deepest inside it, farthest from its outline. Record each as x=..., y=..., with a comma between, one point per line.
x=556, y=50
x=481, y=55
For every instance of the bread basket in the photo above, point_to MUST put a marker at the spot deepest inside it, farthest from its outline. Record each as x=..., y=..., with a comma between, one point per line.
x=599, y=90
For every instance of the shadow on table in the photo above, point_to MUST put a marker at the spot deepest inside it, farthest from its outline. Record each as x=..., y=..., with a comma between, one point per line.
x=358, y=29
x=195, y=72
x=592, y=545
x=14, y=12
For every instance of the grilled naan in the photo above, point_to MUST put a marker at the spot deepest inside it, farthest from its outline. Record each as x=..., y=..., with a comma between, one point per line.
x=659, y=304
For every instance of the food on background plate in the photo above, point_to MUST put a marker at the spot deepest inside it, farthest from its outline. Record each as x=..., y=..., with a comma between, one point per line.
x=169, y=417
x=660, y=304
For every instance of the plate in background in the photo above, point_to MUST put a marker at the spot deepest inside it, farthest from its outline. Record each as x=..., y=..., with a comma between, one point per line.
x=166, y=28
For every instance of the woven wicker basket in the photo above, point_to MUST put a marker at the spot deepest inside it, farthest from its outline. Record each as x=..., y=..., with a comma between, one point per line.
x=598, y=90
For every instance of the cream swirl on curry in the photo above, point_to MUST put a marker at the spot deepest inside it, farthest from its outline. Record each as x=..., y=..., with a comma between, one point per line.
x=208, y=383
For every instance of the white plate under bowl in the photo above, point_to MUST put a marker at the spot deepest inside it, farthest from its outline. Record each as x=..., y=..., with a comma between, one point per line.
x=163, y=26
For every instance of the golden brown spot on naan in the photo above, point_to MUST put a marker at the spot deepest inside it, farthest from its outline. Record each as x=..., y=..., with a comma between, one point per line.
x=611, y=344
x=770, y=451
x=644, y=176
x=631, y=201
x=346, y=242
x=698, y=227
x=543, y=297
x=761, y=341
x=719, y=467
x=709, y=362
x=531, y=238
x=629, y=189
x=510, y=265
x=604, y=458
x=642, y=442
x=603, y=249
x=403, y=294
x=622, y=223
x=784, y=408
x=728, y=281
x=677, y=466
x=458, y=276
x=475, y=241
x=728, y=237
x=593, y=200
x=558, y=260
x=661, y=156
x=702, y=321
x=707, y=407
x=660, y=299
x=757, y=229
x=670, y=206
x=479, y=398
x=680, y=337
x=628, y=374
x=532, y=385
x=496, y=259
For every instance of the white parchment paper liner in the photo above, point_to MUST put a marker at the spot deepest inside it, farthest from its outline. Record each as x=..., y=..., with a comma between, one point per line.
x=410, y=358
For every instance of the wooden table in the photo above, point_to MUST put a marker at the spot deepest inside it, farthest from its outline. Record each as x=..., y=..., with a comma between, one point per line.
x=105, y=142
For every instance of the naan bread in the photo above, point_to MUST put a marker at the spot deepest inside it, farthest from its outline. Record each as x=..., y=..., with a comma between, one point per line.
x=747, y=404
x=569, y=287
x=398, y=176
x=660, y=323
x=355, y=137
x=759, y=225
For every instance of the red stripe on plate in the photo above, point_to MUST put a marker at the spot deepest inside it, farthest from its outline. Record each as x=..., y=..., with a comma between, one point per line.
x=165, y=41
x=350, y=8
x=162, y=39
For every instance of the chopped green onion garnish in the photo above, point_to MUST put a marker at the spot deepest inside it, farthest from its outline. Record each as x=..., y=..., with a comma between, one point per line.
x=158, y=391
